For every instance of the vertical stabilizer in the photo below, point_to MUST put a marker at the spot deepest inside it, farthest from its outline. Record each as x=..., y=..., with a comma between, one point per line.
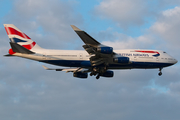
x=16, y=36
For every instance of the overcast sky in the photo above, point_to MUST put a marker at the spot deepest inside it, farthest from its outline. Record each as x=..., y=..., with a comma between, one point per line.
x=28, y=92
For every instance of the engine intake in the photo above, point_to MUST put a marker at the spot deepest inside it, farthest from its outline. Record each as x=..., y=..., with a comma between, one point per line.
x=107, y=74
x=105, y=50
x=80, y=75
x=121, y=60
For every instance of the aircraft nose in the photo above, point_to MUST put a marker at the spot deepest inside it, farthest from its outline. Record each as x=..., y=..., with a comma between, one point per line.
x=175, y=61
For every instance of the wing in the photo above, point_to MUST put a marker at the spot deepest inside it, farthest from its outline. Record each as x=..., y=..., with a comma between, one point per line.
x=77, y=72
x=102, y=57
x=100, y=54
x=87, y=39
x=68, y=69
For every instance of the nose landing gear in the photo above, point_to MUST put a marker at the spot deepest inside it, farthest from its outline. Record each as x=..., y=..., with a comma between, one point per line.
x=160, y=73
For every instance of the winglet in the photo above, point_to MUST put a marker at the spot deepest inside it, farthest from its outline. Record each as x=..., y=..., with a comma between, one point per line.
x=46, y=68
x=87, y=39
x=75, y=28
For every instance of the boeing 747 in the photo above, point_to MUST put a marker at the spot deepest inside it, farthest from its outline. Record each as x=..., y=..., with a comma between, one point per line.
x=99, y=60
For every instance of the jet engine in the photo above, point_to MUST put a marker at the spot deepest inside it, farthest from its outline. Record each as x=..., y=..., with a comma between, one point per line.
x=80, y=75
x=122, y=60
x=107, y=74
x=105, y=50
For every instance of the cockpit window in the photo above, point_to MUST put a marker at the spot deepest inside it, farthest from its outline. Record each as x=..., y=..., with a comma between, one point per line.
x=164, y=52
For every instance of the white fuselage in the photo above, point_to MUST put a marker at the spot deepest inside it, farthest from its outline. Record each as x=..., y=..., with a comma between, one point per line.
x=95, y=58
x=147, y=60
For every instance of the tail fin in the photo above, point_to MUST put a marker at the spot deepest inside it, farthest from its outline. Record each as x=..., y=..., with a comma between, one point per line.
x=19, y=41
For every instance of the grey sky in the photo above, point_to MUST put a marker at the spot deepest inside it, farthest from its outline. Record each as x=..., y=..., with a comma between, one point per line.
x=27, y=91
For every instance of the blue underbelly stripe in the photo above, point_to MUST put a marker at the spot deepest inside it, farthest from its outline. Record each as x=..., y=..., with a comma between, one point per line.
x=86, y=64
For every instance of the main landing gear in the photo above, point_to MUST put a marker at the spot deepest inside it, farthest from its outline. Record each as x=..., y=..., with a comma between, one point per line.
x=98, y=76
x=160, y=73
x=93, y=73
x=97, y=71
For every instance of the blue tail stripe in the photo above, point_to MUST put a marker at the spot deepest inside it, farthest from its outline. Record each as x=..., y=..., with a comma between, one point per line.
x=16, y=40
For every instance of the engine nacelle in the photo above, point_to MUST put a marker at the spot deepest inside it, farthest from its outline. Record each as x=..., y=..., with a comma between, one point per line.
x=105, y=50
x=80, y=75
x=122, y=60
x=107, y=74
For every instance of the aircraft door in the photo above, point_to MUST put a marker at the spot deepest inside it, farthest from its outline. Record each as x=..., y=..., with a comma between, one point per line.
x=44, y=56
x=135, y=58
x=80, y=56
x=157, y=58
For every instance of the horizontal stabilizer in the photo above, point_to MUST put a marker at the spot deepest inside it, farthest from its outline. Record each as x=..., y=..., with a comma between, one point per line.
x=8, y=55
x=20, y=49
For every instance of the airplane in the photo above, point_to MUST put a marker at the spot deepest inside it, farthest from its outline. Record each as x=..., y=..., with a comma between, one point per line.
x=99, y=60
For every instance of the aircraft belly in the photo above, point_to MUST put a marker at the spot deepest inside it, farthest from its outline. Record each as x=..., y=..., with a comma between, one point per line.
x=69, y=63
x=139, y=65
x=87, y=64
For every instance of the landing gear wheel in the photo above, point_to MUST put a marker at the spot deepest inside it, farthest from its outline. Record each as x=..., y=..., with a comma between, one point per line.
x=91, y=74
x=160, y=73
x=98, y=76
